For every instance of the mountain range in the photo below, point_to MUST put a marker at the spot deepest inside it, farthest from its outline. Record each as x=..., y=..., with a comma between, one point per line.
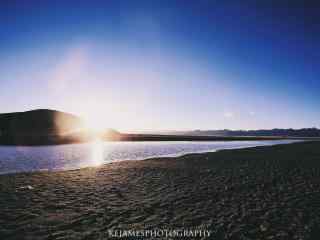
x=276, y=132
x=45, y=127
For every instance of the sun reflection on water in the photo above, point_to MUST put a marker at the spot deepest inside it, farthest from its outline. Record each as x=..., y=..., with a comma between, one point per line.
x=97, y=152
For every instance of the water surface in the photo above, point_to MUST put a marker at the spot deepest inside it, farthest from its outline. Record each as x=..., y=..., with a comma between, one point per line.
x=74, y=156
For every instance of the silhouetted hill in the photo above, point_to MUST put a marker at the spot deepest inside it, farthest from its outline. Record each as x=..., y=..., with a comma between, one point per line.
x=42, y=126
x=41, y=121
x=45, y=127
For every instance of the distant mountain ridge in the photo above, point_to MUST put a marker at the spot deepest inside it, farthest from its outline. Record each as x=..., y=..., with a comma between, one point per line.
x=303, y=132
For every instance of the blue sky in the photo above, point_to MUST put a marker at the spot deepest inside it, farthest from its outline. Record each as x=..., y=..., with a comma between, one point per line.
x=163, y=65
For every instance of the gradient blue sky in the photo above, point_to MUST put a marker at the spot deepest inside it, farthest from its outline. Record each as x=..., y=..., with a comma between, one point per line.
x=164, y=65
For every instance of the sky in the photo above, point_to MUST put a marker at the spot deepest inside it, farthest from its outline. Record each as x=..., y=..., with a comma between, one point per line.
x=164, y=65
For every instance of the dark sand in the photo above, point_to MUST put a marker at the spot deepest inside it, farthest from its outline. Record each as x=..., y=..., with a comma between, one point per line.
x=258, y=193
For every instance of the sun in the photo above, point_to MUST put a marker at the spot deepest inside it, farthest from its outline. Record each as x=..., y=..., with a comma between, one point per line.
x=95, y=125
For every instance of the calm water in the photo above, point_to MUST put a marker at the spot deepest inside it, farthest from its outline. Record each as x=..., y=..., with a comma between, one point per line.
x=73, y=156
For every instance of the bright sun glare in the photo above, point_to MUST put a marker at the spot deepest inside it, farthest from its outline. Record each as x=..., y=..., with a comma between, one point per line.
x=97, y=152
x=95, y=124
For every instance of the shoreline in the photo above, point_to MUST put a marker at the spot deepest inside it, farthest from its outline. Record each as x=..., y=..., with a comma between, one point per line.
x=266, y=192
x=149, y=138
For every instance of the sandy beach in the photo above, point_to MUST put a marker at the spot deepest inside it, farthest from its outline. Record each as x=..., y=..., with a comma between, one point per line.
x=270, y=192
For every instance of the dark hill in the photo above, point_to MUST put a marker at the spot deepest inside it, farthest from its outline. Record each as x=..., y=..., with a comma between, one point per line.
x=42, y=126
x=39, y=122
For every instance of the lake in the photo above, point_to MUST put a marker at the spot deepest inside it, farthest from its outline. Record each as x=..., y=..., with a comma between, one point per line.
x=74, y=156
